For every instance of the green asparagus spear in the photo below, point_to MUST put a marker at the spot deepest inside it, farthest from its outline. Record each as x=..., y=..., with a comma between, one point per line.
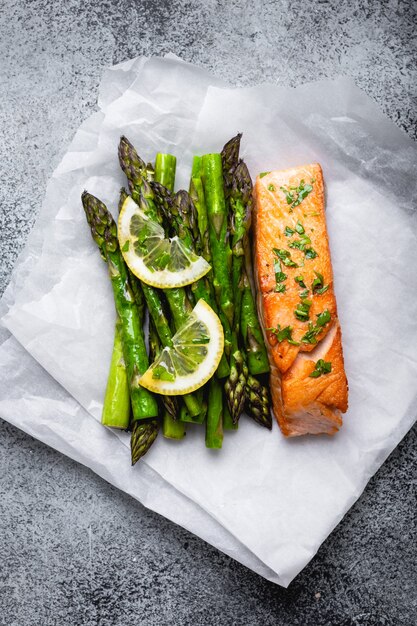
x=251, y=331
x=219, y=245
x=165, y=166
x=238, y=187
x=103, y=230
x=214, y=426
x=199, y=200
x=240, y=202
x=116, y=407
x=117, y=389
x=202, y=246
x=238, y=190
x=217, y=217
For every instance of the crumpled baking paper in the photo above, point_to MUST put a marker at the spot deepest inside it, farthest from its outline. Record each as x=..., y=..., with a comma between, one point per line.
x=266, y=501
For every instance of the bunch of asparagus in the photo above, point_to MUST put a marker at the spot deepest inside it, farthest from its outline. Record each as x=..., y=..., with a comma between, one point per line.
x=212, y=219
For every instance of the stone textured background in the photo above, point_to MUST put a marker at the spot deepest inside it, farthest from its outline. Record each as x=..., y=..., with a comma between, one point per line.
x=73, y=550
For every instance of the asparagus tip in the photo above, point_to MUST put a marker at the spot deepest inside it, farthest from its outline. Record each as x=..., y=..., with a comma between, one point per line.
x=142, y=437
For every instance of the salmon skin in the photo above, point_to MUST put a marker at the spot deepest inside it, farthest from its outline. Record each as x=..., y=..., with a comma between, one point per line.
x=296, y=301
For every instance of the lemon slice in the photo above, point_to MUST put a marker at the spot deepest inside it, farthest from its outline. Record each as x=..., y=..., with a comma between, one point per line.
x=194, y=357
x=160, y=262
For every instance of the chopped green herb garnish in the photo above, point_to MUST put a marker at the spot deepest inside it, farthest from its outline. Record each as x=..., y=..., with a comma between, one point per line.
x=283, y=334
x=310, y=253
x=279, y=276
x=318, y=286
x=304, y=293
x=299, y=228
x=280, y=288
x=311, y=334
x=295, y=195
x=271, y=187
x=302, y=311
x=300, y=281
x=301, y=243
x=323, y=318
x=288, y=231
x=285, y=257
x=125, y=247
x=262, y=174
x=317, y=282
x=321, y=367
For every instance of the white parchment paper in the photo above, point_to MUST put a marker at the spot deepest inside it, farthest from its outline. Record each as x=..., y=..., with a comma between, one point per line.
x=267, y=501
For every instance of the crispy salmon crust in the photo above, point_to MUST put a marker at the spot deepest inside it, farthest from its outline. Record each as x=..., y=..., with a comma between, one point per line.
x=287, y=216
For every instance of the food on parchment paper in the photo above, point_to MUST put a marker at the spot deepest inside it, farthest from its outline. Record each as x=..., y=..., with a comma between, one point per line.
x=183, y=260
x=297, y=301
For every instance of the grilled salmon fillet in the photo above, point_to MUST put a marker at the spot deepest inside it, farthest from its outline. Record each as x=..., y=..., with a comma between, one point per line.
x=296, y=301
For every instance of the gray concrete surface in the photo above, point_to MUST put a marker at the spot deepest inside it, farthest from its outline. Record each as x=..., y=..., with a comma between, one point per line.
x=73, y=550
